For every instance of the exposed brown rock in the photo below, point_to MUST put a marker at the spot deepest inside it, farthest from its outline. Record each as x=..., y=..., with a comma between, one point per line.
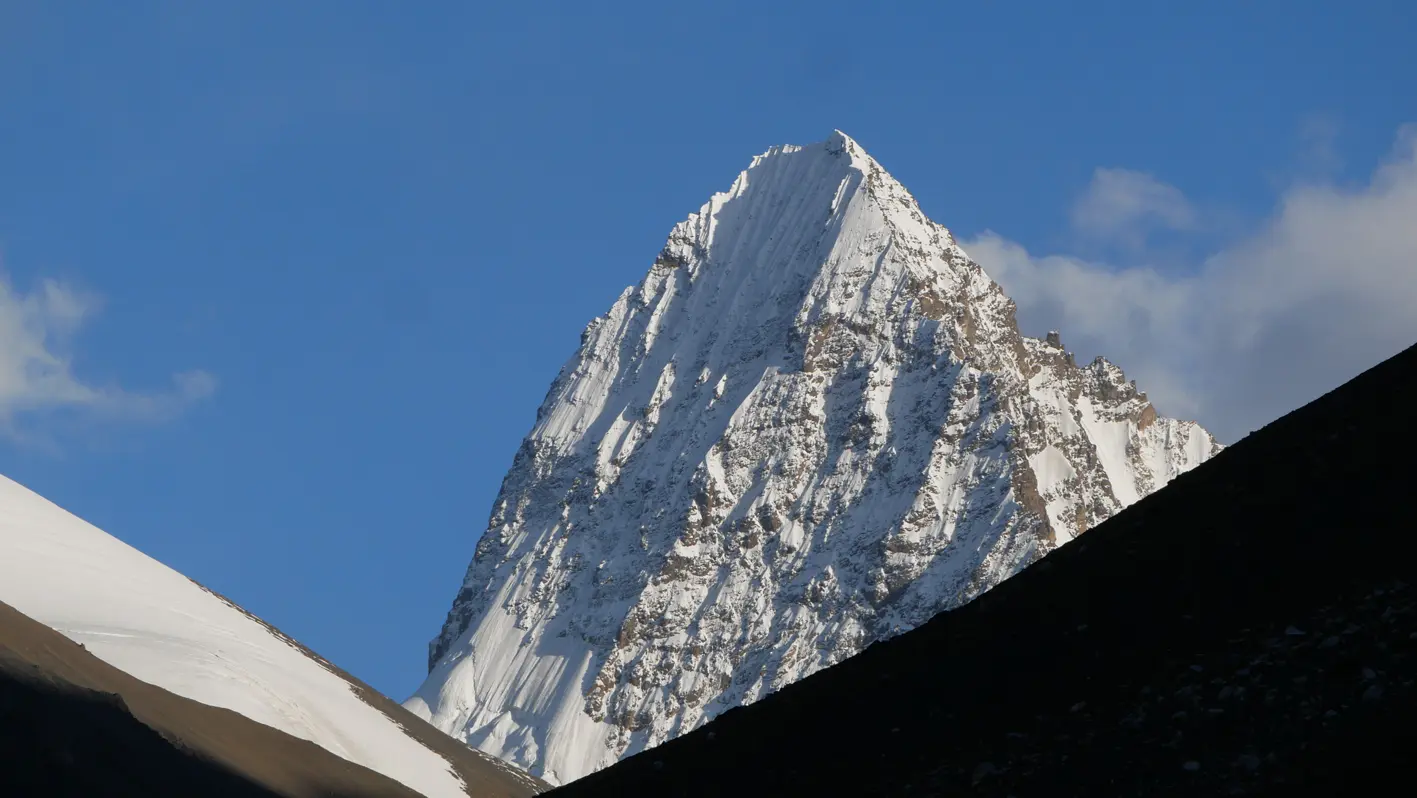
x=1147, y=418
x=1025, y=484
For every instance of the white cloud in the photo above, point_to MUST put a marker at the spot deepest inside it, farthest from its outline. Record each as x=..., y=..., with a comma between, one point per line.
x=1121, y=203
x=36, y=375
x=1322, y=290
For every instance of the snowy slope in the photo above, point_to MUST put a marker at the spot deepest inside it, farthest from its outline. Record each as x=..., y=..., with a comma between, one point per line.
x=813, y=425
x=152, y=622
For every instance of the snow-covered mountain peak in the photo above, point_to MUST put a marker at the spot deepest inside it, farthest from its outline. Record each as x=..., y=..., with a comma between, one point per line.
x=813, y=424
x=837, y=145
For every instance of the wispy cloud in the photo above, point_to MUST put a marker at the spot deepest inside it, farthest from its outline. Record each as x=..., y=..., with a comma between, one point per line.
x=37, y=332
x=1318, y=146
x=1318, y=292
x=1123, y=205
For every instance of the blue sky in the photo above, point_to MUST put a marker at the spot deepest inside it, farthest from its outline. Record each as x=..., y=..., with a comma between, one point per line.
x=286, y=282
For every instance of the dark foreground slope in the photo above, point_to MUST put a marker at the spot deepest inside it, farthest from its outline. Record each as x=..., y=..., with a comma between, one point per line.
x=1247, y=630
x=73, y=725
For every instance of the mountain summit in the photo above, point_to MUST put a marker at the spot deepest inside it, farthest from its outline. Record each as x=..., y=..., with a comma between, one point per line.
x=813, y=425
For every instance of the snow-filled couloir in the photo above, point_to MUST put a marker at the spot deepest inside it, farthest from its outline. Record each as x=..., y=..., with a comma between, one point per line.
x=814, y=424
x=161, y=627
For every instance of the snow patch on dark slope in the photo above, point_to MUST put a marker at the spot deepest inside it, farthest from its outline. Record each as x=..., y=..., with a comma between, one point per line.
x=812, y=426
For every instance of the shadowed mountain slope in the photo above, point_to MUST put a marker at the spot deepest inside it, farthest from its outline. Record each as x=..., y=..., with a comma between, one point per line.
x=158, y=626
x=71, y=724
x=1247, y=630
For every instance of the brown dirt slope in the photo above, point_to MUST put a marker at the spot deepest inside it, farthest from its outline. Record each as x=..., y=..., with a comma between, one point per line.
x=71, y=724
x=1249, y=630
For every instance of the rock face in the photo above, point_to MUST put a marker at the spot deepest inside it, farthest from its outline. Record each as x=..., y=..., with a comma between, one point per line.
x=1249, y=630
x=812, y=426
